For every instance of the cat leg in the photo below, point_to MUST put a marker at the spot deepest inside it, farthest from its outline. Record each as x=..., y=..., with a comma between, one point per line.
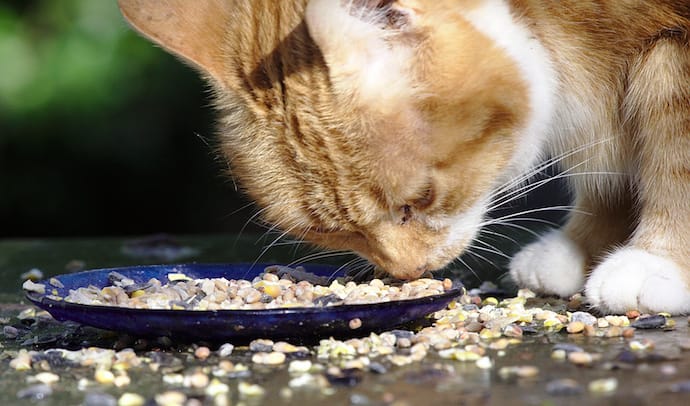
x=557, y=262
x=652, y=273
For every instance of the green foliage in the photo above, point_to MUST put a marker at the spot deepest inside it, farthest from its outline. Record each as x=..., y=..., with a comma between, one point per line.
x=65, y=55
x=98, y=129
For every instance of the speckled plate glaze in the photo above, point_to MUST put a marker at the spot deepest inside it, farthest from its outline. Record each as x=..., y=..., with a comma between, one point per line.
x=224, y=325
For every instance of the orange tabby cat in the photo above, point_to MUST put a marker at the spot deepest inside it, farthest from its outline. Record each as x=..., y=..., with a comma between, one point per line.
x=390, y=127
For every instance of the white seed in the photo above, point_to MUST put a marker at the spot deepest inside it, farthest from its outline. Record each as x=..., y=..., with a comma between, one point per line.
x=131, y=399
x=606, y=385
x=250, y=390
x=268, y=358
x=299, y=366
x=484, y=363
x=104, y=376
x=46, y=378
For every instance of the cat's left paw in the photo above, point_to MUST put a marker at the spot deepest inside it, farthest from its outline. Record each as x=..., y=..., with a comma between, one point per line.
x=553, y=265
x=633, y=278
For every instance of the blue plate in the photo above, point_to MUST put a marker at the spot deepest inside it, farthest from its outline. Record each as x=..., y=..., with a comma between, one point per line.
x=303, y=324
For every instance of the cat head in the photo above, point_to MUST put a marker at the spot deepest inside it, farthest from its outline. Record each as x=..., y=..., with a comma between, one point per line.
x=378, y=126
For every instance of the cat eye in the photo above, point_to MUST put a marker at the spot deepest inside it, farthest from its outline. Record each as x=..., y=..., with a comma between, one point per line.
x=425, y=200
x=407, y=213
x=420, y=203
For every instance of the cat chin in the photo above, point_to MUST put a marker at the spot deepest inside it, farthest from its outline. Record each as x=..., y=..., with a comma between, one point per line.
x=552, y=265
x=632, y=278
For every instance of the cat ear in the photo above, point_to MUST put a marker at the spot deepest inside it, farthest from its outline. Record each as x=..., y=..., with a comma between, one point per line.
x=189, y=29
x=365, y=45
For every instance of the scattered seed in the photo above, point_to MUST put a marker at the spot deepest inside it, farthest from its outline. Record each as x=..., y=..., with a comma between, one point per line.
x=564, y=387
x=33, y=275
x=581, y=358
x=131, y=399
x=668, y=369
x=196, y=380
x=171, y=398
x=177, y=276
x=104, y=376
x=355, y=323
x=300, y=366
x=225, y=350
x=250, y=390
x=522, y=371
x=575, y=327
x=484, y=363
x=10, y=332
x=99, y=399
x=268, y=358
x=35, y=392
x=122, y=380
x=22, y=362
x=46, y=378
x=30, y=286
x=641, y=345
x=632, y=314
x=512, y=330
x=584, y=317
x=559, y=355
x=649, y=322
x=202, y=352
x=261, y=345
x=606, y=385
x=216, y=388
x=628, y=332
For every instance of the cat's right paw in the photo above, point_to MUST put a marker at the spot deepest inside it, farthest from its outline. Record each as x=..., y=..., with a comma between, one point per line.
x=632, y=278
x=552, y=265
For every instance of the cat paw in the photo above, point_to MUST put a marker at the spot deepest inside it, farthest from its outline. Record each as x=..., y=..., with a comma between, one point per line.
x=551, y=265
x=635, y=279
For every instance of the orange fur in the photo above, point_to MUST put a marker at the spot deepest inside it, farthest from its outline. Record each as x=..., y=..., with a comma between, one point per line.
x=384, y=127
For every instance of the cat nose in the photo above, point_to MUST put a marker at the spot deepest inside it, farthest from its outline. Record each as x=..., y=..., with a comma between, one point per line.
x=423, y=269
x=412, y=272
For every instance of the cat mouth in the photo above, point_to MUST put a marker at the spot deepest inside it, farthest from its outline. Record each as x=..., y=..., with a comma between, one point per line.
x=404, y=258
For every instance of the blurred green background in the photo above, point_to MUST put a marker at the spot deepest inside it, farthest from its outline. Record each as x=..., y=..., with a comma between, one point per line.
x=101, y=133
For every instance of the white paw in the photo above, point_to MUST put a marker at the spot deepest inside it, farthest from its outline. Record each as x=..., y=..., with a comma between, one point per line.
x=632, y=278
x=552, y=265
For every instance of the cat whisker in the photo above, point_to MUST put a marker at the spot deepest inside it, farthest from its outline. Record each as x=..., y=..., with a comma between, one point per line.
x=271, y=244
x=319, y=255
x=290, y=243
x=503, y=277
x=516, y=226
x=551, y=162
x=486, y=231
x=490, y=248
x=350, y=264
x=569, y=209
x=243, y=207
x=467, y=267
x=518, y=193
x=470, y=251
x=246, y=223
x=510, y=195
x=271, y=227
